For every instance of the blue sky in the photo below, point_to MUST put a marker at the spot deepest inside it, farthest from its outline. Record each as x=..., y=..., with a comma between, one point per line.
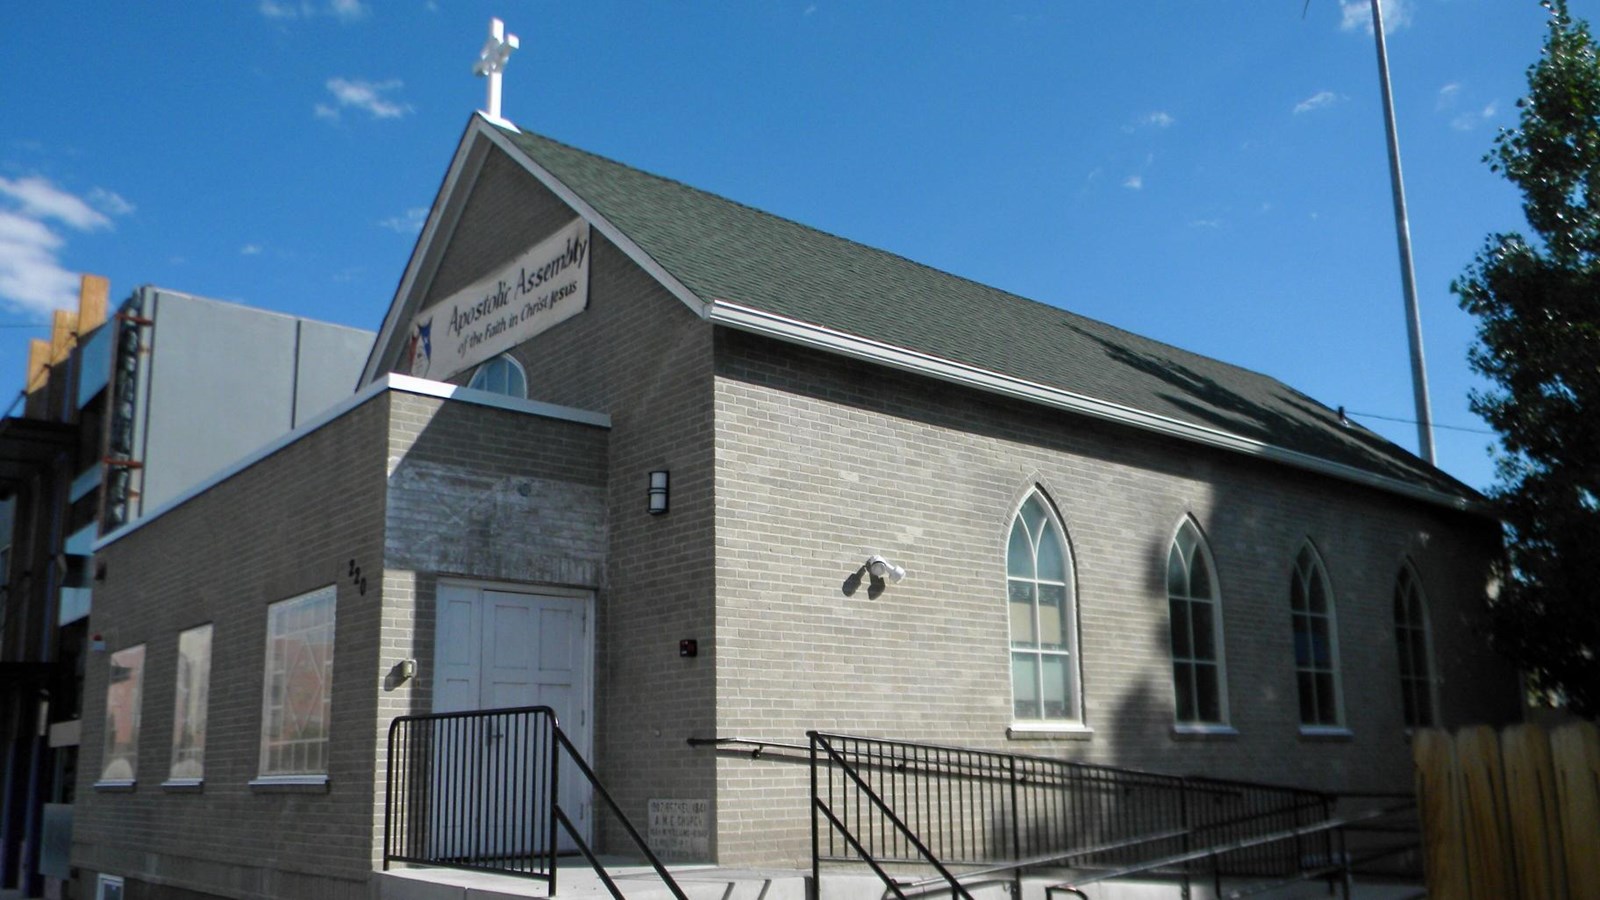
x=1209, y=174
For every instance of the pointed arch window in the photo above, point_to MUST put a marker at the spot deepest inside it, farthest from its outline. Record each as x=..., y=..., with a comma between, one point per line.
x=1198, y=681
x=1416, y=653
x=1043, y=611
x=1316, y=642
x=501, y=375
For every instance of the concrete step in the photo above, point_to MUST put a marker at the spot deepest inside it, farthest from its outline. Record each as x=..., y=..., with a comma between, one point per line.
x=576, y=880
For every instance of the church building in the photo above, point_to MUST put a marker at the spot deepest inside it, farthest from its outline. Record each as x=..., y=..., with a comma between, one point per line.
x=685, y=471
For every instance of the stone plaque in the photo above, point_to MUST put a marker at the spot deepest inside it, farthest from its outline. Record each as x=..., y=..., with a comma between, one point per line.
x=680, y=830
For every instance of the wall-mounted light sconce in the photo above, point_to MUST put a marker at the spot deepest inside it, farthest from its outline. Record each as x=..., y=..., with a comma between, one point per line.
x=880, y=571
x=658, y=493
x=400, y=673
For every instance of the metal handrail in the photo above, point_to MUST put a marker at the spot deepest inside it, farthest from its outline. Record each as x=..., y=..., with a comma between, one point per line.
x=633, y=833
x=818, y=805
x=889, y=801
x=460, y=764
x=1213, y=852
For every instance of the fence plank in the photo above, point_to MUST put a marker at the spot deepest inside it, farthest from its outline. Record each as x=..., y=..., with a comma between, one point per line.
x=1439, y=807
x=1575, y=754
x=1488, y=843
x=1535, y=813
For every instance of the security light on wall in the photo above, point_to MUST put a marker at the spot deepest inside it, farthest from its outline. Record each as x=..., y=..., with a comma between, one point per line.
x=881, y=568
x=880, y=571
x=658, y=493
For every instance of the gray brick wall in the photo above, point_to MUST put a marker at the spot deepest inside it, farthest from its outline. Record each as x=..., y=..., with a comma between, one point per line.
x=641, y=356
x=481, y=494
x=290, y=524
x=821, y=462
x=400, y=484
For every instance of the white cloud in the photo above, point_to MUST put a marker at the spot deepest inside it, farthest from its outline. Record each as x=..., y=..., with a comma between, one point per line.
x=1357, y=14
x=274, y=10
x=409, y=222
x=348, y=10
x=343, y=10
x=31, y=274
x=1206, y=223
x=367, y=96
x=1315, y=101
x=40, y=199
x=250, y=250
x=1134, y=182
x=1470, y=120
x=1448, y=95
x=1158, y=119
x=110, y=202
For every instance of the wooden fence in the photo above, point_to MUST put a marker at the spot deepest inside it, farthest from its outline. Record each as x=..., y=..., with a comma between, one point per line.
x=1510, y=816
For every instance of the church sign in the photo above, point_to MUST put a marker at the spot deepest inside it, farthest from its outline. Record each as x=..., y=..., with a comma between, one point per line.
x=543, y=287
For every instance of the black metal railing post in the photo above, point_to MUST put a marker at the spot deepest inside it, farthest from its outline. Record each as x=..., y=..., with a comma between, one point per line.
x=1187, y=824
x=816, y=847
x=553, y=767
x=1016, y=811
x=469, y=790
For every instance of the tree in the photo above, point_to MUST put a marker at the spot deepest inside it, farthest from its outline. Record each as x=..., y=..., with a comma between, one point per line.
x=1538, y=305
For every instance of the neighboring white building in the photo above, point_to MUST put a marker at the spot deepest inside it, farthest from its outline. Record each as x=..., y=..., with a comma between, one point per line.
x=117, y=417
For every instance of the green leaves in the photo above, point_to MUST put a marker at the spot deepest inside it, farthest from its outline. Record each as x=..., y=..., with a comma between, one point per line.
x=1538, y=307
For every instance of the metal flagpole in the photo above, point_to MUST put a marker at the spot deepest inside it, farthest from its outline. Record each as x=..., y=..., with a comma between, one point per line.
x=1402, y=227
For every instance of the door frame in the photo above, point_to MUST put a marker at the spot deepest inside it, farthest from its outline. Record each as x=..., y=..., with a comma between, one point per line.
x=582, y=735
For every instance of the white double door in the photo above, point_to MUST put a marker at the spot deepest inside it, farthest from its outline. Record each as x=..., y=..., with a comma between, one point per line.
x=499, y=648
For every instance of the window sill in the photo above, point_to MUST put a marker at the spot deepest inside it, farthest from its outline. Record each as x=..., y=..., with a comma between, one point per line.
x=1326, y=733
x=183, y=785
x=1044, y=731
x=1194, y=732
x=290, y=784
x=116, y=786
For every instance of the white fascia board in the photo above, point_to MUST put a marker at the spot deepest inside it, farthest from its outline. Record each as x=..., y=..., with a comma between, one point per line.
x=391, y=382
x=614, y=234
x=433, y=230
x=794, y=331
x=446, y=391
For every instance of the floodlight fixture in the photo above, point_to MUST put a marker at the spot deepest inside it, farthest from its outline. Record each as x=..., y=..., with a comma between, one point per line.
x=882, y=568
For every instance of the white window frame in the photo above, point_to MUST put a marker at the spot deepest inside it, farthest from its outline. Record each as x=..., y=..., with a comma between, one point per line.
x=1188, y=544
x=488, y=369
x=1051, y=525
x=120, y=778
x=1310, y=571
x=102, y=882
x=308, y=615
x=191, y=698
x=1426, y=680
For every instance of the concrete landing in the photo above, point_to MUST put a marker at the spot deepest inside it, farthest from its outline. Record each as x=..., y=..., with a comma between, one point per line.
x=639, y=882
x=574, y=879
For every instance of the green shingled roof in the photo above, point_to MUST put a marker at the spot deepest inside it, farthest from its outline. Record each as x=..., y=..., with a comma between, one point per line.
x=725, y=251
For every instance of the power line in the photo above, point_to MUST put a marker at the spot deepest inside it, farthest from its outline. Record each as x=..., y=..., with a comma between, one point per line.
x=1414, y=421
